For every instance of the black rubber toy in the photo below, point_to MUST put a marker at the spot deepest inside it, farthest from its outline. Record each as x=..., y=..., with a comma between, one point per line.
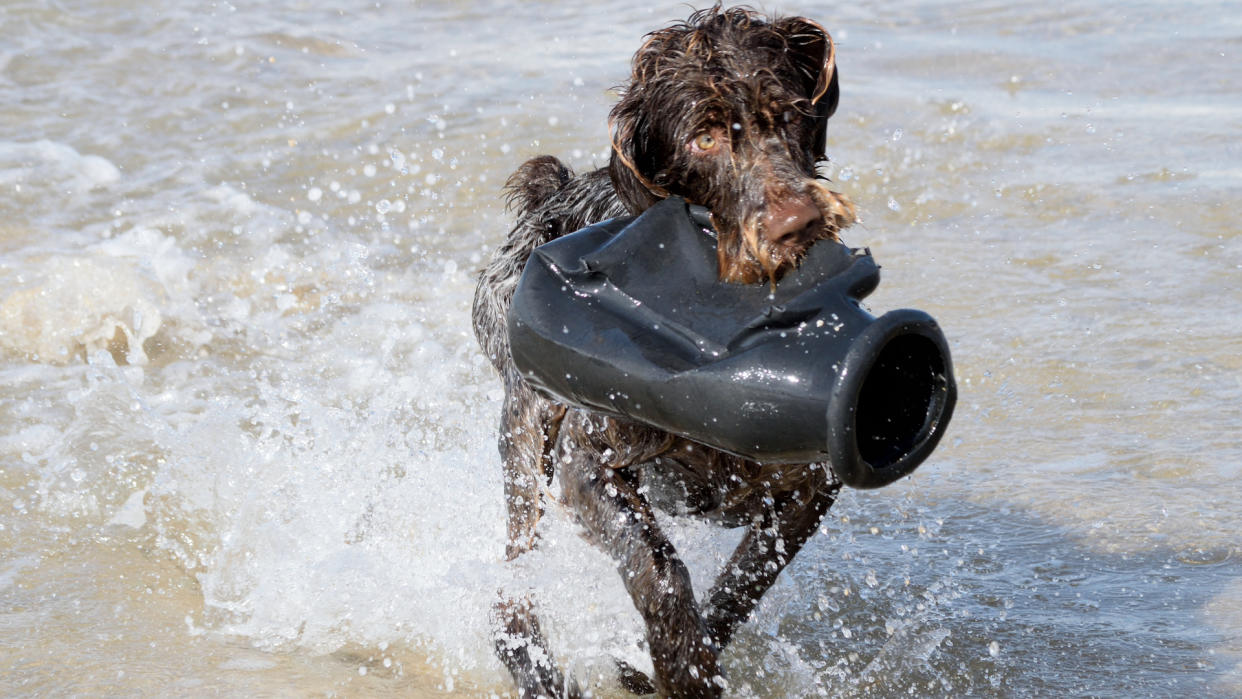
x=628, y=317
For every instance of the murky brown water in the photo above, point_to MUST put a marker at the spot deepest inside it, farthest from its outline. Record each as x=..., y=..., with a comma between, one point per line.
x=247, y=442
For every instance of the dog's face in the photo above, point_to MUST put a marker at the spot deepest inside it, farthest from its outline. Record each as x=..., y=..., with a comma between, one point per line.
x=730, y=111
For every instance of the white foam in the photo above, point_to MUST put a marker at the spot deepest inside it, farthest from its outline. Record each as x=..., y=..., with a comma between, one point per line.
x=11, y=569
x=319, y=509
x=65, y=307
x=132, y=514
x=44, y=162
x=111, y=296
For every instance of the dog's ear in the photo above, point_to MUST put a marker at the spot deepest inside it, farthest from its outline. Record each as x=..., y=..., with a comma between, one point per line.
x=813, y=58
x=630, y=132
x=636, y=156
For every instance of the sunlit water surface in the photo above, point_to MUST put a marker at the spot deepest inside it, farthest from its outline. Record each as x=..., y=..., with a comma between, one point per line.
x=247, y=440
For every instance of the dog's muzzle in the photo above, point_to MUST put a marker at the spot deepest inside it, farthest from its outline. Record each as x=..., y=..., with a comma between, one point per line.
x=628, y=318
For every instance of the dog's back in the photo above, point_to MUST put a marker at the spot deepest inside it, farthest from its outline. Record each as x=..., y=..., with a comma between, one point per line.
x=548, y=201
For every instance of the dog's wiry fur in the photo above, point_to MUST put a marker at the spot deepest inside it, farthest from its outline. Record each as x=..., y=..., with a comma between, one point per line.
x=728, y=110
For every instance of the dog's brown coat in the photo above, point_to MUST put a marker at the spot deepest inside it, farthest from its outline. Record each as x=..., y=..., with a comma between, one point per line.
x=729, y=110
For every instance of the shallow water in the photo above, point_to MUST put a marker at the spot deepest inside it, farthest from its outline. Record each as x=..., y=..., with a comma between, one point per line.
x=248, y=441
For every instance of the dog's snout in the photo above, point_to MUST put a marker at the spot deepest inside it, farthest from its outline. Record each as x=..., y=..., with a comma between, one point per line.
x=791, y=222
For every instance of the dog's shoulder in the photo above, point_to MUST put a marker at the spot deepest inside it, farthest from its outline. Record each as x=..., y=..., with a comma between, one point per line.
x=547, y=200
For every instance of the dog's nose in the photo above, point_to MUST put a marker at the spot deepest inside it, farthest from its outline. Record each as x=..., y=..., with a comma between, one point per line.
x=790, y=222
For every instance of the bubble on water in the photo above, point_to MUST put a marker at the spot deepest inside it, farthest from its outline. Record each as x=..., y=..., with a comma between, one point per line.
x=398, y=160
x=893, y=205
x=383, y=206
x=314, y=193
x=368, y=170
x=897, y=134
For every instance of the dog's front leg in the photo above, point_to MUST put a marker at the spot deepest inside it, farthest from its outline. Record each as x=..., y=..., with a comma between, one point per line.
x=528, y=428
x=620, y=521
x=783, y=522
x=521, y=646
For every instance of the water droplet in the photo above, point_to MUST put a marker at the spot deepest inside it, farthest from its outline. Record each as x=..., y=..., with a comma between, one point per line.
x=398, y=160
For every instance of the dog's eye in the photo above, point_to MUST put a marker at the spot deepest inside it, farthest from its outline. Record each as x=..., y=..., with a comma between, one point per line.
x=705, y=142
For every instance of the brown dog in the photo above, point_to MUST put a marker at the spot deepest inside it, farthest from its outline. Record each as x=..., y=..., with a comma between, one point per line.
x=728, y=110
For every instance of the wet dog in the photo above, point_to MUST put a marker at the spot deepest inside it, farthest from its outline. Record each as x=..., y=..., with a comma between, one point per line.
x=728, y=110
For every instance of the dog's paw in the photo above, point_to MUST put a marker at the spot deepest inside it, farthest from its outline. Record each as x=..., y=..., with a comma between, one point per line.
x=633, y=681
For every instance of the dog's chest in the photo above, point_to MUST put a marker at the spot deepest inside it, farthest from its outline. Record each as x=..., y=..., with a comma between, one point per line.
x=690, y=479
x=683, y=477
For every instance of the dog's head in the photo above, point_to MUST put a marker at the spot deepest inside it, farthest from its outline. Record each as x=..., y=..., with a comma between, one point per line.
x=730, y=110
